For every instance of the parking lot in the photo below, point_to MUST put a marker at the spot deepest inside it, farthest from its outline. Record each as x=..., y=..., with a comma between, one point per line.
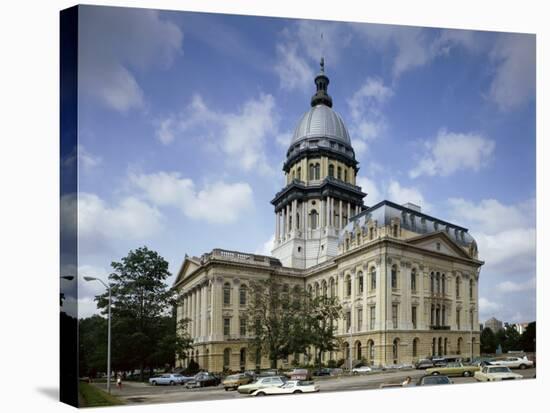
x=141, y=393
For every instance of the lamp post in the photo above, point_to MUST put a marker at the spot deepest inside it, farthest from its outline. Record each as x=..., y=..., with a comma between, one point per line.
x=108, y=286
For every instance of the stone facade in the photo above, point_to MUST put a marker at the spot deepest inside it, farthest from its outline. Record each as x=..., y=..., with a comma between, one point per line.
x=408, y=282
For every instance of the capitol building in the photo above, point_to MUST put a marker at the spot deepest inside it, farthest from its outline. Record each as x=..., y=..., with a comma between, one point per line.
x=407, y=281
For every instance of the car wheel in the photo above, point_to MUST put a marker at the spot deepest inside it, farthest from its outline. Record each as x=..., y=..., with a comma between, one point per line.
x=435, y=373
x=154, y=383
x=172, y=383
x=260, y=393
x=522, y=366
x=466, y=374
x=355, y=373
x=297, y=392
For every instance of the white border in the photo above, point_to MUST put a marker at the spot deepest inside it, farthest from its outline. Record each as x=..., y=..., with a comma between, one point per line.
x=29, y=176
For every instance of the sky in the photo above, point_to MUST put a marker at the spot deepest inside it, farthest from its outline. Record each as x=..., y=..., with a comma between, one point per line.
x=184, y=120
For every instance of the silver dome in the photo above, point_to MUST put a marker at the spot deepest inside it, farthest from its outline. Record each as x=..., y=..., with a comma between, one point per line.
x=321, y=121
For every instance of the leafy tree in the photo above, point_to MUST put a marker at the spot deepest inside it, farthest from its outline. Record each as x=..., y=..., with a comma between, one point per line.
x=527, y=339
x=508, y=338
x=92, y=344
x=321, y=316
x=140, y=305
x=488, y=341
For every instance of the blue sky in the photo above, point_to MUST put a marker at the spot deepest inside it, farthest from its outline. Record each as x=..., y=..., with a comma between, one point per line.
x=185, y=118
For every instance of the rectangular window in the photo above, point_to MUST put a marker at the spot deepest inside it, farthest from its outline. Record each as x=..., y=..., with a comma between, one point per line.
x=394, y=315
x=242, y=321
x=348, y=320
x=413, y=281
x=361, y=284
x=242, y=296
x=372, y=317
x=458, y=319
x=413, y=316
x=360, y=319
x=226, y=326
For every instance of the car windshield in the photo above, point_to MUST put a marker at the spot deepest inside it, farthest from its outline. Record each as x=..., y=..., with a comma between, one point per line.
x=499, y=370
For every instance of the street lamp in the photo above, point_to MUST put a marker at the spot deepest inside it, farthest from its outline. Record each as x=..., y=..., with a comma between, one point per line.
x=108, y=286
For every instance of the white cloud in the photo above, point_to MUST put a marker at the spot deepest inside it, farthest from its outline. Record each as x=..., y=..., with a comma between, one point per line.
x=511, y=287
x=367, y=119
x=514, y=80
x=114, y=42
x=218, y=202
x=451, y=152
x=402, y=194
x=241, y=136
x=266, y=247
x=292, y=69
x=284, y=139
x=486, y=306
x=374, y=195
x=80, y=155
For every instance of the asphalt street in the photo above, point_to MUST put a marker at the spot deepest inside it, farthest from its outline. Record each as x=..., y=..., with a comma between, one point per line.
x=141, y=393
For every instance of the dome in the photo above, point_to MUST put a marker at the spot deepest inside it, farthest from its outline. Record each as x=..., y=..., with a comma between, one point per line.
x=319, y=122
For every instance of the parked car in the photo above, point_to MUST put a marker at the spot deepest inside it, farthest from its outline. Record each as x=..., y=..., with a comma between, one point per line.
x=261, y=383
x=299, y=374
x=169, y=379
x=235, y=380
x=433, y=380
x=424, y=364
x=290, y=387
x=322, y=372
x=203, y=379
x=268, y=373
x=438, y=361
x=336, y=371
x=453, y=369
x=496, y=373
x=361, y=370
x=514, y=362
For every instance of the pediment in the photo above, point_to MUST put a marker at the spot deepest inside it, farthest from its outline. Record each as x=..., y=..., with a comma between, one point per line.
x=439, y=242
x=188, y=267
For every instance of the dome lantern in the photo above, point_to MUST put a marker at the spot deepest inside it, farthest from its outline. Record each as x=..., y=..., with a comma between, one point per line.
x=321, y=97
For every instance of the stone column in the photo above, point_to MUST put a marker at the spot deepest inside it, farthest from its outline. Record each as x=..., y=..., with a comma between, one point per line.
x=332, y=223
x=276, y=227
x=353, y=317
x=294, y=213
x=288, y=212
x=235, y=307
x=322, y=213
x=366, y=286
x=217, y=327
x=340, y=221
x=327, y=223
x=341, y=294
x=349, y=211
x=204, y=311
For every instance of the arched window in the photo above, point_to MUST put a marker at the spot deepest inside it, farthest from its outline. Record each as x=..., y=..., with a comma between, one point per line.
x=437, y=315
x=370, y=347
x=445, y=346
x=432, y=280
x=317, y=171
x=348, y=285
x=227, y=294
x=242, y=294
x=394, y=276
x=395, y=350
x=298, y=221
x=360, y=282
x=299, y=173
x=332, y=288
x=226, y=358
x=443, y=316
x=339, y=173
x=311, y=172
x=324, y=288
x=434, y=341
x=331, y=171
x=437, y=283
x=443, y=284
x=415, y=347
x=459, y=346
x=345, y=175
x=373, y=278
x=432, y=316
x=413, y=279
x=358, y=355
x=314, y=217
x=471, y=289
x=316, y=289
x=242, y=358
x=457, y=286
x=439, y=347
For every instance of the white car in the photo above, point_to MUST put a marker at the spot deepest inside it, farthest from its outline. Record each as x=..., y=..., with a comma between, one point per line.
x=168, y=379
x=514, y=362
x=361, y=370
x=290, y=387
x=496, y=373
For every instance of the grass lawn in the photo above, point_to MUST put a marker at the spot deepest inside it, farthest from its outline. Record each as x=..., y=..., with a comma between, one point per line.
x=91, y=396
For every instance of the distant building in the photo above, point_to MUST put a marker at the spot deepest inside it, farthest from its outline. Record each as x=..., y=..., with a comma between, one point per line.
x=494, y=324
x=520, y=327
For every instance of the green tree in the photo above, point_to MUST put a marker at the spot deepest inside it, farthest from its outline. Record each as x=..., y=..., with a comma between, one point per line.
x=322, y=313
x=527, y=339
x=141, y=301
x=92, y=334
x=508, y=338
x=488, y=341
